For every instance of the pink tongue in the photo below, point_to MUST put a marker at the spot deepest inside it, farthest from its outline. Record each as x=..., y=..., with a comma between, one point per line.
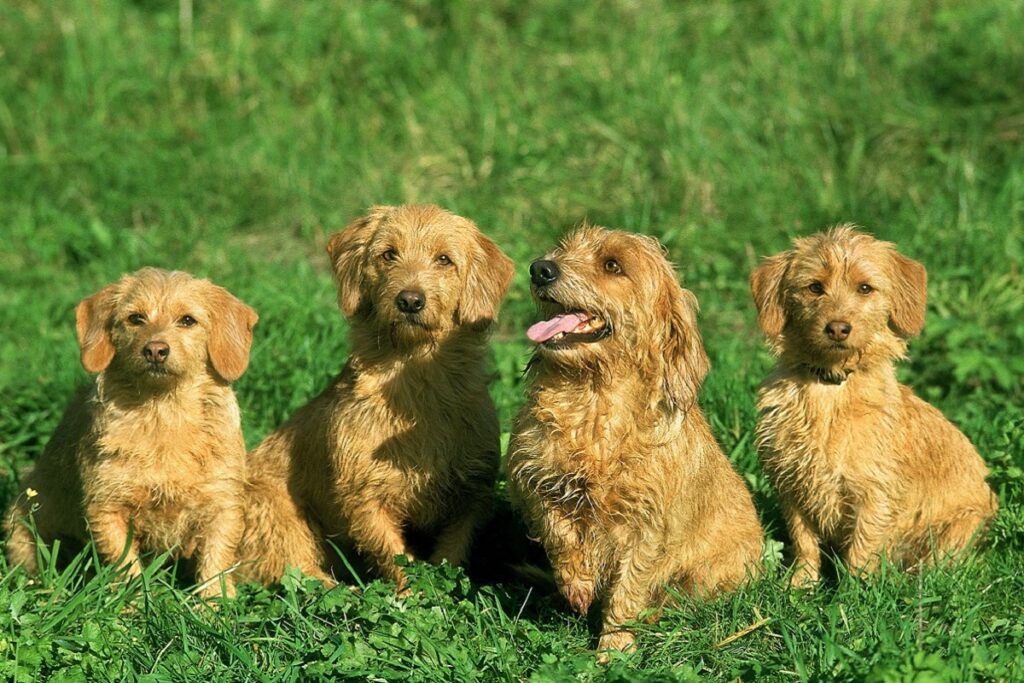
x=546, y=329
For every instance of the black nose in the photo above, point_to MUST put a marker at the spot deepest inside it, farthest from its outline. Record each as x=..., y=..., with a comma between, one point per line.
x=410, y=301
x=838, y=329
x=156, y=352
x=543, y=272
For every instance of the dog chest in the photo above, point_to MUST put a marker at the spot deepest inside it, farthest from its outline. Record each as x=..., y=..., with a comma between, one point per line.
x=584, y=477
x=823, y=449
x=416, y=459
x=161, y=478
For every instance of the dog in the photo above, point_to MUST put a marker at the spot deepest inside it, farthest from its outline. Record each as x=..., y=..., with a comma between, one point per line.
x=860, y=464
x=611, y=460
x=402, y=448
x=150, y=458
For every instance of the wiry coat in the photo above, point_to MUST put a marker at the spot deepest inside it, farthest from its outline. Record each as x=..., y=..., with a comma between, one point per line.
x=611, y=460
x=151, y=458
x=861, y=465
x=405, y=440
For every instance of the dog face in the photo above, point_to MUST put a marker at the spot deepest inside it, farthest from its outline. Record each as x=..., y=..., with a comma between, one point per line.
x=608, y=295
x=837, y=295
x=418, y=272
x=158, y=326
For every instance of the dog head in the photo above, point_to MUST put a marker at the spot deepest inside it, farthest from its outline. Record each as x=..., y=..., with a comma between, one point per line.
x=417, y=273
x=609, y=296
x=157, y=326
x=839, y=296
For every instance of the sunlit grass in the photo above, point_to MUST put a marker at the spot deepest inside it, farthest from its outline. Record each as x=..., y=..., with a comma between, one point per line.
x=724, y=128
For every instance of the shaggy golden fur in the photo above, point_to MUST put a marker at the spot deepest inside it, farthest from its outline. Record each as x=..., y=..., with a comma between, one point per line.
x=405, y=440
x=860, y=463
x=151, y=458
x=611, y=460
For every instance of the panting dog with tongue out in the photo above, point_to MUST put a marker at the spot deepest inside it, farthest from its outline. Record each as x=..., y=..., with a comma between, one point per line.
x=611, y=460
x=566, y=328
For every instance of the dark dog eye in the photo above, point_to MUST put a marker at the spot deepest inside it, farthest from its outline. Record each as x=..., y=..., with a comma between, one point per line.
x=817, y=288
x=444, y=260
x=186, y=321
x=612, y=266
x=389, y=255
x=136, y=319
x=865, y=288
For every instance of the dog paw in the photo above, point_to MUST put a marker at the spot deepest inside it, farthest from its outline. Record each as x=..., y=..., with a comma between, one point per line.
x=619, y=640
x=804, y=577
x=580, y=595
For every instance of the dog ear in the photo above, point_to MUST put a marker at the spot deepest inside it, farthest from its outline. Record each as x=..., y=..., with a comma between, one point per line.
x=347, y=251
x=909, y=295
x=766, y=285
x=92, y=325
x=487, y=279
x=685, y=363
x=231, y=323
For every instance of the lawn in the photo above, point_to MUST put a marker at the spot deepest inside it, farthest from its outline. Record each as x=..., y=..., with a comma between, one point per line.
x=232, y=145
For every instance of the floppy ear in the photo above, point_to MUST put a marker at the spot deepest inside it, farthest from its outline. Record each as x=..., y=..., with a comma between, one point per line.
x=347, y=251
x=686, y=362
x=766, y=285
x=487, y=280
x=909, y=295
x=231, y=324
x=92, y=324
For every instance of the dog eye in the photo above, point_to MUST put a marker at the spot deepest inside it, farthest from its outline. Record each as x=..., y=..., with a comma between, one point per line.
x=816, y=288
x=186, y=321
x=444, y=260
x=612, y=266
x=136, y=319
x=389, y=255
x=865, y=288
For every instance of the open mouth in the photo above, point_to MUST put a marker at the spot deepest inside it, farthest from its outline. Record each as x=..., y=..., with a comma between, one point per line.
x=568, y=329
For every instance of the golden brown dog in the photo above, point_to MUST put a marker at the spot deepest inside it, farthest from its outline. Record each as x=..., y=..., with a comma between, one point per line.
x=611, y=460
x=151, y=458
x=405, y=440
x=859, y=462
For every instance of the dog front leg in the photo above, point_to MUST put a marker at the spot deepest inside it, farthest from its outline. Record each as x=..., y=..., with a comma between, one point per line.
x=219, y=552
x=111, y=531
x=629, y=593
x=378, y=535
x=806, y=548
x=870, y=535
x=571, y=560
x=454, y=541
x=456, y=537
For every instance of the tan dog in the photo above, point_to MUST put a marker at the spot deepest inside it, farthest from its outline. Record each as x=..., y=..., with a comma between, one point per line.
x=151, y=458
x=405, y=440
x=859, y=462
x=611, y=459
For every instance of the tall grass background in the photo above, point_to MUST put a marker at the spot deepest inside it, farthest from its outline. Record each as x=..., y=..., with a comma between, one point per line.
x=232, y=140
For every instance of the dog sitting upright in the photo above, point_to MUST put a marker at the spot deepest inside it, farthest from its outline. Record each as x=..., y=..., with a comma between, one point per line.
x=404, y=442
x=611, y=460
x=151, y=458
x=860, y=463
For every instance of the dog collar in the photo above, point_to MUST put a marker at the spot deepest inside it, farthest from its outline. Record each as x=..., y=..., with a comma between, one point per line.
x=825, y=376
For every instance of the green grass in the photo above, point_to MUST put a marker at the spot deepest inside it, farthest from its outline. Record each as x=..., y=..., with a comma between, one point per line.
x=722, y=128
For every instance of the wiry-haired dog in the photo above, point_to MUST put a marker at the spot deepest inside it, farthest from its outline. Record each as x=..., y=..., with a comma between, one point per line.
x=405, y=440
x=151, y=458
x=611, y=460
x=860, y=463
